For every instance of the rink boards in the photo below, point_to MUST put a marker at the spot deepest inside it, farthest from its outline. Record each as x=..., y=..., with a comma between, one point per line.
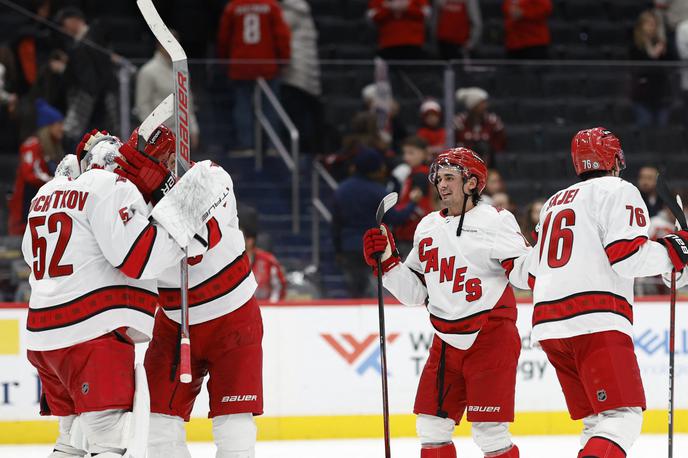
x=322, y=373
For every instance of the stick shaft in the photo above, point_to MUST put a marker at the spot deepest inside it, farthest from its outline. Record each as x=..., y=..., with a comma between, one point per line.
x=672, y=339
x=383, y=360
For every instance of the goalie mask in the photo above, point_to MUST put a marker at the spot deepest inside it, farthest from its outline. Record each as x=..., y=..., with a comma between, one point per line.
x=463, y=161
x=101, y=155
x=160, y=145
x=596, y=149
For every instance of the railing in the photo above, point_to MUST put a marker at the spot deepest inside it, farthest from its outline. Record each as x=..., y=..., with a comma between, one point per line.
x=319, y=209
x=291, y=161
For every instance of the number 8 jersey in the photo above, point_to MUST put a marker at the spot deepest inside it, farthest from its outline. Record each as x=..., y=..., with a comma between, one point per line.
x=592, y=243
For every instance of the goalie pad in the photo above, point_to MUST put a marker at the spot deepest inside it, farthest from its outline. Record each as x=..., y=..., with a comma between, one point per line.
x=193, y=201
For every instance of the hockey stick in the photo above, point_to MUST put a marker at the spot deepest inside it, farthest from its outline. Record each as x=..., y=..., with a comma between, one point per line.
x=389, y=201
x=675, y=207
x=180, y=71
x=159, y=115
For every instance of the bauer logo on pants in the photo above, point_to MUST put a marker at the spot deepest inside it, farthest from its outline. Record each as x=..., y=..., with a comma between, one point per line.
x=364, y=353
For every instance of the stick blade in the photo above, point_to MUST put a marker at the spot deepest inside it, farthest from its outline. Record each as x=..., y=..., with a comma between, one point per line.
x=389, y=201
x=159, y=115
x=672, y=205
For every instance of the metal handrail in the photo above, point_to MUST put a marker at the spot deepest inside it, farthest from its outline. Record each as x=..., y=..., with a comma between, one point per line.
x=291, y=161
x=319, y=209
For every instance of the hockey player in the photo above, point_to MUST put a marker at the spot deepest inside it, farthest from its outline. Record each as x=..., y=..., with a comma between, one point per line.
x=462, y=260
x=226, y=331
x=592, y=242
x=94, y=256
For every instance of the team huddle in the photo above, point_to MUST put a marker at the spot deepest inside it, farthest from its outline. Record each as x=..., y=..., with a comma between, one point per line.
x=592, y=242
x=104, y=240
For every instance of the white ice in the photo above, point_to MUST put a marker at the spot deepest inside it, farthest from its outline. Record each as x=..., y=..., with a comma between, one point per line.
x=648, y=446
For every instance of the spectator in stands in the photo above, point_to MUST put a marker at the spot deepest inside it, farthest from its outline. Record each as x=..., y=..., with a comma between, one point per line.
x=154, y=82
x=650, y=85
x=301, y=88
x=502, y=201
x=414, y=171
x=31, y=46
x=400, y=27
x=526, y=31
x=90, y=80
x=531, y=220
x=682, y=52
x=477, y=128
x=355, y=204
x=252, y=33
x=38, y=159
x=431, y=129
x=459, y=27
x=671, y=13
x=8, y=99
x=392, y=132
x=647, y=185
x=493, y=185
x=272, y=286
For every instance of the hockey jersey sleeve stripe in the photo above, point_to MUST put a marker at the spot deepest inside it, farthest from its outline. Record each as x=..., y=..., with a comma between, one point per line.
x=531, y=281
x=508, y=265
x=89, y=305
x=582, y=304
x=214, y=233
x=623, y=249
x=213, y=288
x=139, y=253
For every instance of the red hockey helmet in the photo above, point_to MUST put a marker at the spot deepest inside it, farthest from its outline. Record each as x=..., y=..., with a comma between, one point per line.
x=160, y=145
x=596, y=149
x=465, y=161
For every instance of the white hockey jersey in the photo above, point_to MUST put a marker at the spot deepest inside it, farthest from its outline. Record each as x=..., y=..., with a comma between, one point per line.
x=465, y=279
x=220, y=281
x=592, y=243
x=94, y=257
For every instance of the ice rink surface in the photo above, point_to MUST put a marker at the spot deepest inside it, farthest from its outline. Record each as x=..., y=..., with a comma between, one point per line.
x=648, y=446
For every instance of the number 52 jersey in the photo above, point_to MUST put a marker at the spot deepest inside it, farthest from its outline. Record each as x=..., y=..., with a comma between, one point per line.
x=592, y=242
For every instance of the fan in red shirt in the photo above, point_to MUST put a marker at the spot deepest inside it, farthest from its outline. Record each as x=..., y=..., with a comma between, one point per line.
x=477, y=128
x=38, y=158
x=431, y=129
x=272, y=286
x=400, y=27
x=526, y=33
x=459, y=27
x=254, y=35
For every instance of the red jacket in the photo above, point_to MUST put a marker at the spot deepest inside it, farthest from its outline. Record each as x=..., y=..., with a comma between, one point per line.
x=399, y=29
x=531, y=28
x=32, y=173
x=453, y=23
x=253, y=30
x=434, y=137
x=272, y=285
x=425, y=205
x=488, y=130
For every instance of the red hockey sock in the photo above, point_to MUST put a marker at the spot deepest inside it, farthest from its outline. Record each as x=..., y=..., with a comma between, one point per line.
x=438, y=451
x=600, y=447
x=511, y=453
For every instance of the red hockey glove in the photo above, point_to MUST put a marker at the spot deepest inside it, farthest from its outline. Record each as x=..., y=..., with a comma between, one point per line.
x=379, y=243
x=152, y=178
x=676, y=244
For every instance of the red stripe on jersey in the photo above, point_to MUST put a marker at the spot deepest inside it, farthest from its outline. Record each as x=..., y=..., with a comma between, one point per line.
x=214, y=233
x=139, y=253
x=213, y=288
x=623, y=249
x=531, y=281
x=504, y=308
x=582, y=304
x=508, y=265
x=89, y=305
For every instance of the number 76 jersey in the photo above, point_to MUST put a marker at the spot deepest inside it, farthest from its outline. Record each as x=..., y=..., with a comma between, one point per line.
x=592, y=243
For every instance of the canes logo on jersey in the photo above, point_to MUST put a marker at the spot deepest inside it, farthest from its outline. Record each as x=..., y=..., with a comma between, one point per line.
x=359, y=349
x=448, y=272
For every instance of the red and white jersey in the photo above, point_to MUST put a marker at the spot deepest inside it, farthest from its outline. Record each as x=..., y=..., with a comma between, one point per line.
x=94, y=257
x=220, y=281
x=462, y=279
x=592, y=243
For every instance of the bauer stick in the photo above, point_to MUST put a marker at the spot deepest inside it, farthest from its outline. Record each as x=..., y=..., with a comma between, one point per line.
x=180, y=71
x=675, y=207
x=389, y=201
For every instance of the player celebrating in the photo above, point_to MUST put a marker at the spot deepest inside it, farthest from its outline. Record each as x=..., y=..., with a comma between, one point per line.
x=460, y=266
x=592, y=242
x=226, y=331
x=94, y=255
